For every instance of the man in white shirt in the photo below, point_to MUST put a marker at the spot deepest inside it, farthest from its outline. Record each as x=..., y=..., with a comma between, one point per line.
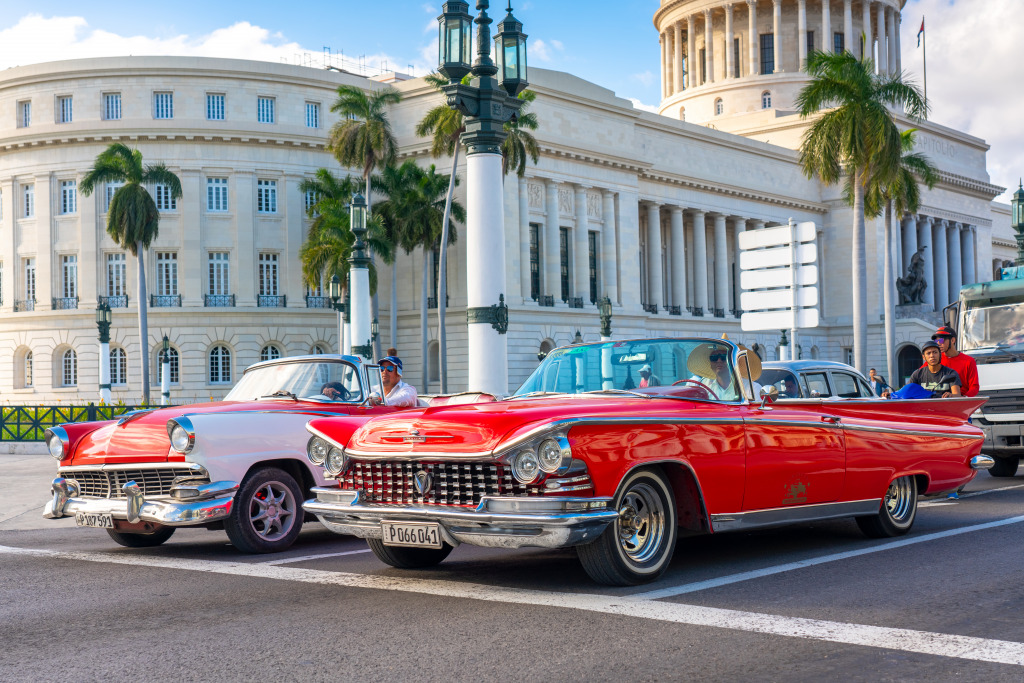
x=397, y=392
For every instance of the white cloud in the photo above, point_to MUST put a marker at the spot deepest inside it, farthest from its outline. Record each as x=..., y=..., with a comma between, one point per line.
x=645, y=77
x=541, y=50
x=645, y=107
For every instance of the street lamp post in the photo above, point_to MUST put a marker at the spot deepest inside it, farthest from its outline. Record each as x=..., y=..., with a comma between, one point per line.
x=103, y=319
x=165, y=372
x=359, y=276
x=486, y=104
x=604, y=307
x=1017, y=221
x=338, y=304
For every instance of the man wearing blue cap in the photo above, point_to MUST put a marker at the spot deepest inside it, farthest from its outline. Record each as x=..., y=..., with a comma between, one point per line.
x=398, y=393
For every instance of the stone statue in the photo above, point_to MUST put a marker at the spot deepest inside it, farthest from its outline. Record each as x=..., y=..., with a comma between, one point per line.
x=911, y=287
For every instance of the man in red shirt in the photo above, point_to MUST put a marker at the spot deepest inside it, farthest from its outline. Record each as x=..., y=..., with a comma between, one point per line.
x=964, y=365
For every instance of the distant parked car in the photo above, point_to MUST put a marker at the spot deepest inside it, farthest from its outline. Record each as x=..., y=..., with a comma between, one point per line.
x=238, y=464
x=814, y=379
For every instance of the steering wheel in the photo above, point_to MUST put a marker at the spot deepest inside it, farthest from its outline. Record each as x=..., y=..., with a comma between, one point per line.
x=699, y=384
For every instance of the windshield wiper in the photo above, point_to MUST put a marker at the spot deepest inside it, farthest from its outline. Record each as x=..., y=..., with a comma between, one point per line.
x=537, y=393
x=282, y=392
x=1002, y=349
x=617, y=391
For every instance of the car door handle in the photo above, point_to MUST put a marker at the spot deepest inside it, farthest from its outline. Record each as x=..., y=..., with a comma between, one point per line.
x=830, y=418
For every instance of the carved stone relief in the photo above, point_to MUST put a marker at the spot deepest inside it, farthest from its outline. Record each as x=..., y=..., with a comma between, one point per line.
x=565, y=201
x=536, y=195
x=593, y=205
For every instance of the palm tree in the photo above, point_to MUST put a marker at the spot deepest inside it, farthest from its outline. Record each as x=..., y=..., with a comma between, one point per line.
x=133, y=220
x=519, y=143
x=363, y=138
x=856, y=136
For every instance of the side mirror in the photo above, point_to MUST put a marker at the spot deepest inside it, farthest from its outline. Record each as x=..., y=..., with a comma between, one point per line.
x=769, y=395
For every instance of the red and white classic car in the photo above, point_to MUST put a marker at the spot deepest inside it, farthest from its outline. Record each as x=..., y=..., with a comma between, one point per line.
x=238, y=464
x=598, y=452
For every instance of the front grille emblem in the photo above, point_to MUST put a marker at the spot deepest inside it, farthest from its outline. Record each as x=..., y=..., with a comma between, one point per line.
x=414, y=437
x=424, y=482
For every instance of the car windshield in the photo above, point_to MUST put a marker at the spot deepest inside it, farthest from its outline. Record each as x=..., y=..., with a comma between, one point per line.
x=636, y=366
x=316, y=380
x=994, y=326
x=783, y=380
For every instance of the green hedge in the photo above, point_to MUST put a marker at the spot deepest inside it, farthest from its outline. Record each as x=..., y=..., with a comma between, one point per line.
x=27, y=423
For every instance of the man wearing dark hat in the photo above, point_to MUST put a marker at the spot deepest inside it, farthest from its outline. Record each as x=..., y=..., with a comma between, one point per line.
x=941, y=380
x=964, y=365
x=397, y=392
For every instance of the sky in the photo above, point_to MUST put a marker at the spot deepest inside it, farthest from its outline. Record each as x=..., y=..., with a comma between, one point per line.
x=975, y=59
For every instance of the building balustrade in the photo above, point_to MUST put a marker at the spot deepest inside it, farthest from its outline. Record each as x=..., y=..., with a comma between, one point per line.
x=718, y=312
x=697, y=311
x=23, y=305
x=164, y=301
x=218, y=300
x=64, y=303
x=576, y=302
x=547, y=300
x=651, y=308
x=318, y=301
x=270, y=301
x=116, y=301
x=737, y=313
x=675, y=310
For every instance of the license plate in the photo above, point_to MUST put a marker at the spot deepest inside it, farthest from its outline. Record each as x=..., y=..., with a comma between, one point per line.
x=413, y=534
x=101, y=520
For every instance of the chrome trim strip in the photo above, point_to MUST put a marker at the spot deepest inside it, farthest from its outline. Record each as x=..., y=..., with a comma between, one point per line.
x=760, y=519
x=134, y=466
x=796, y=423
x=982, y=462
x=910, y=432
x=136, y=508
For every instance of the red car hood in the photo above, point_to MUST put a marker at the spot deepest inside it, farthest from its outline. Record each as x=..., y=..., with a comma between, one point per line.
x=479, y=427
x=144, y=438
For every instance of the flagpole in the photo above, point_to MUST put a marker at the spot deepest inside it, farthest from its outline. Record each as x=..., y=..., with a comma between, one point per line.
x=924, y=60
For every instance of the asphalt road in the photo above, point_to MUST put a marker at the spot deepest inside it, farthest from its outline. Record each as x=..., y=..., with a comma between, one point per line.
x=804, y=603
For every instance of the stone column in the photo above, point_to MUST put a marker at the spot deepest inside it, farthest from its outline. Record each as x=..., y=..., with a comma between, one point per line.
x=242, y=202
x=955, y=265
x=192, y=260
x=730, y=64
x=826, y=25
x=47, y=262
x=655, y=287
x=883, y=47
x=709, y=46
x=896, y=32
x=752, y=31
x=801, y=31
x=678, y=259
x=909, y=241
x=925, y=240
x=941, y=264
x=777, y=30
x=609, y=253
x=8, y=246
x=524, y=239
x=691, y=54
x=869, y=39
x=551, y=283
x=677, y=63
x=581, y=250
x=892, y=39
x=91, y=273
x=848, y=37
x=967, y=237
x=721, y=264
x=741, y=227
x=662, y=39
x=700, y=261
x=897, y=245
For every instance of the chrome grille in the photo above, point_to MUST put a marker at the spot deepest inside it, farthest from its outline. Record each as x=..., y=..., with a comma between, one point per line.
x=94, y=483
x=452, y=483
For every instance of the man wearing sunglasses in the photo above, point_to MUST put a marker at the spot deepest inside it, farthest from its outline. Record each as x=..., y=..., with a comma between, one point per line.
x=397, y=392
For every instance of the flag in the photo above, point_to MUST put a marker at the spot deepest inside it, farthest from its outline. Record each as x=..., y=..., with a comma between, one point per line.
x=920, y=32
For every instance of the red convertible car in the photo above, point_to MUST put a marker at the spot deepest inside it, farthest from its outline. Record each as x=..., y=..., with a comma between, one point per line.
x=618, y=448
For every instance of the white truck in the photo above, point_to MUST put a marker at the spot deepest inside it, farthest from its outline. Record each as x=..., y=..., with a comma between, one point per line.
x=990, y=328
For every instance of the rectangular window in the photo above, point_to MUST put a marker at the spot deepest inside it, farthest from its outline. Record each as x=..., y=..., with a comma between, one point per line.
x=214, y=107
x=1, y=203
x=311, y=198
x=24, y=114
x=703, y=65
x=164, y=200
x=592, y=264
x=166, y=273
x=535, y=261
x=266, y=196
x=69, y=275
x=64, y=110
x=112, y=106
x=68, y=196
x=810, y=42
x=767, y=53
x=563, y=255
x=116, y=285
x=29, y=267
x=312, y=115
x=736, y=58
x=1, y=283
x=219, y=273
x=163, y=105
x=268, y=274
x=110, y=190
x=216, y=194
x=29, y=206
x=838, y=42
x=265, y=109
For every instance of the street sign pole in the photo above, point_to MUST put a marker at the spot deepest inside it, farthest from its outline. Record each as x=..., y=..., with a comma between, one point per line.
x=794, y=246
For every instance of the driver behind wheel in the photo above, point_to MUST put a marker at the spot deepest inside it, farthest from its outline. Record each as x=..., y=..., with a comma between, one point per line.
x=710, y=366
x=334, y=391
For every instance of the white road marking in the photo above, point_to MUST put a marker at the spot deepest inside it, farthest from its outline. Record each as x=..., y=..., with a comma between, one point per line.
x=801, y=564
x=945, y=501
x=906, y=640
x=290, y=560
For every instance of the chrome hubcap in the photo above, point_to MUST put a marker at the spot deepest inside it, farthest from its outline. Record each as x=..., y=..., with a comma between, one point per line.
x=641, y=523
x=272, y=511
x=898, y=498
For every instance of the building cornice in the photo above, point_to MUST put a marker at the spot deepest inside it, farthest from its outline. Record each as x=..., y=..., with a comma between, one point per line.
x=734, y=191
x=971, y=186
x=84, y=137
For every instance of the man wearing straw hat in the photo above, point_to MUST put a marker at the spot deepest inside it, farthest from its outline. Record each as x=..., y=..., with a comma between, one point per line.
x=709, y=364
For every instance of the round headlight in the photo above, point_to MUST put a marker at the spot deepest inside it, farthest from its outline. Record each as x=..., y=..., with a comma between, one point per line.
x=180, y=439
x=317, y=450
x=54, y=444
x=335, y=461
x=550, y=454
x=525, y=466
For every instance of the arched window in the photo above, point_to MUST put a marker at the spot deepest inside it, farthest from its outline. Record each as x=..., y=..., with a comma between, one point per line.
x=270, y=352
x=545, y=348
x=908, y=359
x=220, y=365
x=28, y=369
x=719, y=107
x=766, y=100
x=118, y=366
x=434, y=362
x=814, y=353
x=172, y=357
x=682, y=113
x=69, y=369
x=317, y=350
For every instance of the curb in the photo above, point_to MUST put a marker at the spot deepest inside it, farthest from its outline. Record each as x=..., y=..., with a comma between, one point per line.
x=23, y=448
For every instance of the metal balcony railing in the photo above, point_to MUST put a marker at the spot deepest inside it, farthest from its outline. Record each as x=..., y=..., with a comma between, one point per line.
x=651, y=308
x=547, y=300
x=271, y=301
x=718, y=312
x=697, y=311
x=737, y=313
x=117, y=301
x=165, y=300
x=20, y=306
x=64, y=303
x=432, y=301
x=675, y=310
x=318, y=301
x=575, y=302
x=218, y=300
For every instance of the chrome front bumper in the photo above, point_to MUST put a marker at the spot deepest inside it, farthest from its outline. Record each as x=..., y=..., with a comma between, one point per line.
x=497, y=522
x=212, y=502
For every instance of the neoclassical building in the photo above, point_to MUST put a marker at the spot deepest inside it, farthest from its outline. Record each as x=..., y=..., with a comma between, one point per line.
x=644, y=208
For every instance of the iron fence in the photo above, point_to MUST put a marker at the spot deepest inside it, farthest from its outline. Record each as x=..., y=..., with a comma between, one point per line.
x=218, y=300
x=27, y=423
x=115, y=301
x=64, y=303
x=318, y=301
x=22, y=305
x=271, y=301
x=165, y=300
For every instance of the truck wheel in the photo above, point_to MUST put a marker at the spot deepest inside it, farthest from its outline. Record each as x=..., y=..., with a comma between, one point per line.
x=152, y=540
x=1006, y=466
x=896, y=514
x=637, y=547
x=267, y=514
x=408, y=558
